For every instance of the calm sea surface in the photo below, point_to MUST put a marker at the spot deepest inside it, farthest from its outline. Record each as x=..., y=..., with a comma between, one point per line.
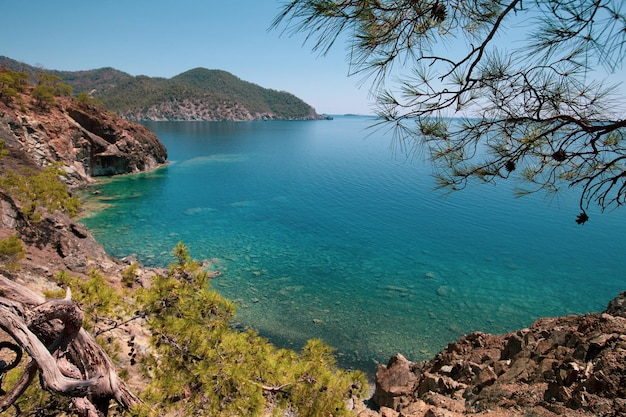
x=320, y=230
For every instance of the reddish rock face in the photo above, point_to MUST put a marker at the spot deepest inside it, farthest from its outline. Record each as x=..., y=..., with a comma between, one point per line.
x=617, y=307
x=128, y=147
x=89, y=142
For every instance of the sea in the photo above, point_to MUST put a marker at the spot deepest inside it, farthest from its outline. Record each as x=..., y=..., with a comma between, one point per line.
x=326, y=229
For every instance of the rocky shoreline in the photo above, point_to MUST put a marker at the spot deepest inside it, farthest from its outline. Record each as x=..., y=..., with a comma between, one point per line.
x=87, y=142
x=573, y=365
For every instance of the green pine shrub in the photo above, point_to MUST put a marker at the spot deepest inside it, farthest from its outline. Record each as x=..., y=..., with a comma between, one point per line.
x=200, y=366
x=86, y=101
x=100, y=303
x=11, y=84
x=39, y=191
x=48, y=87
x=11, y=253
x=129, y=275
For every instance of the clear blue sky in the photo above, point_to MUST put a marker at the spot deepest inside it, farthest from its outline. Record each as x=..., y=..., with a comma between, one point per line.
x=165, y=37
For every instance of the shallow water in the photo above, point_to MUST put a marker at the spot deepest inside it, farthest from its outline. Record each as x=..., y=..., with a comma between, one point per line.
x=320, y=230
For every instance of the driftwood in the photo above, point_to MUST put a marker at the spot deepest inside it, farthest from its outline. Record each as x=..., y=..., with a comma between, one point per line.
x=68, y=359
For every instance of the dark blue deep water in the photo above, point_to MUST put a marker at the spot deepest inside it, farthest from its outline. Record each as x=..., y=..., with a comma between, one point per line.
x=320, y=230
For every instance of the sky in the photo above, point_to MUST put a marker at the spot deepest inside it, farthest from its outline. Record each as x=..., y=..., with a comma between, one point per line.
x=163, y=38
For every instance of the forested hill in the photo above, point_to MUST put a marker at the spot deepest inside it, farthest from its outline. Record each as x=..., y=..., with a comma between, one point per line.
x=198, y=94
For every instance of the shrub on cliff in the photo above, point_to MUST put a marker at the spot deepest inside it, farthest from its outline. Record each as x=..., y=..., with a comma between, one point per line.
x=48, y=87
x=101, y=304
x=199, y=366
x=11, y=252
x=11, y=83
x=88, y=102
x=39, y=191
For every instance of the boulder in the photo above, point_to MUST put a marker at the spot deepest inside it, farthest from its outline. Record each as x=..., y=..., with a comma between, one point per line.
x=395, y=383
x=617, y=307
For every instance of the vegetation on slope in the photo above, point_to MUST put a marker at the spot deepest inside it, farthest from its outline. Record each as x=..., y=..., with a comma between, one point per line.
x=255, y=98
x=216, y=91
x=39, y=192
x=212, y=88
x=198, y=364
x=88, y=81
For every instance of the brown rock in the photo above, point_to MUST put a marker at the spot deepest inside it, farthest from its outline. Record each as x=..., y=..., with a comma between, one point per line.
x=501, y=367
x=513, y=347
x=617, y=306
x=417, y=408
x=543, y=346
x=395, y=383
x=486, y=376
x=547, y=368
x=440, y=413
x=521, y=370
x=87, y=141
x=388, y=412
x=444, y=402
x=573, y=365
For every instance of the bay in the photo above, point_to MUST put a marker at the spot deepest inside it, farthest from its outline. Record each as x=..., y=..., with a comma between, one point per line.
x=321, y=230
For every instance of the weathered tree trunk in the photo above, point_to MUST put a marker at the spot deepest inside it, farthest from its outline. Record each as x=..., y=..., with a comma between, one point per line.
x=69, y=360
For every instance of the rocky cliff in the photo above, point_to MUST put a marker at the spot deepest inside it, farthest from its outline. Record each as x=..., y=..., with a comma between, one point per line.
x=88, y=142
x=568, y=366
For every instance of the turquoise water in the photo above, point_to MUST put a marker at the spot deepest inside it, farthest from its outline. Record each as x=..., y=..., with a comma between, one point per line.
x=320, y=230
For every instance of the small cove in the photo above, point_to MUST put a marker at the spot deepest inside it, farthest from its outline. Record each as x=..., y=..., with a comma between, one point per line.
x=320, y=230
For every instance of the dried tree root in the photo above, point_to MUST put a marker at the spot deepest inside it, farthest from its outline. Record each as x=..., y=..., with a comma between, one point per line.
x=69, y=360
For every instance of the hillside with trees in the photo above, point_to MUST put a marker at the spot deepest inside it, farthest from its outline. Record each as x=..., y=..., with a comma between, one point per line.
x=197, y=94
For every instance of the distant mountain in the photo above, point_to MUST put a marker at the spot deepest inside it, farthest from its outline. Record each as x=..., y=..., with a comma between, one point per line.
x=197, y=94
x=92, y=80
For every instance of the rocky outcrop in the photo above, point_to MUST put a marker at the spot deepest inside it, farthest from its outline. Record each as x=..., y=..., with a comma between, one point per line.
x=88, y=142
x=573, y=366
x=53, y=244
x=190, y=109
x=127, y=147
x=57, y=244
